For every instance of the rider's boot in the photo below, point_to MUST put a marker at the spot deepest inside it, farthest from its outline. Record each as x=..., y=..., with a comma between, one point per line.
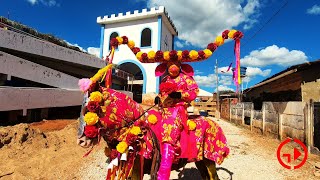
x=167, y=157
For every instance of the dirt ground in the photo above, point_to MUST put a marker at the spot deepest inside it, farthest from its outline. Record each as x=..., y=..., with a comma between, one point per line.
x=48, y=150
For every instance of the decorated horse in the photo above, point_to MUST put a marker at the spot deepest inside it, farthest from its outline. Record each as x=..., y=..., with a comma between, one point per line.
x=155, y=140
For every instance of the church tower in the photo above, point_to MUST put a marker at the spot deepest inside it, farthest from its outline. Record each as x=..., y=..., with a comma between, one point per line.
x=150, y=29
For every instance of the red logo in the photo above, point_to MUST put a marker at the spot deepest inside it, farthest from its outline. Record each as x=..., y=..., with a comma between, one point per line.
x=296, y=154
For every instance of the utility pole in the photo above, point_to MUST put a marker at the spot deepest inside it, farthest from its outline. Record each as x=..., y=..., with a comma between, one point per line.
x=218, y=96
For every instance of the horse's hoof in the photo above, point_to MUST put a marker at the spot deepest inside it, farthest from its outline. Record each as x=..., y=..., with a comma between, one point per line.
x=84, y=142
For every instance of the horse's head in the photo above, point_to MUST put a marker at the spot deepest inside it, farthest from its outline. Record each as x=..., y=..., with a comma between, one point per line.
x=108, y=109
x=105, y=110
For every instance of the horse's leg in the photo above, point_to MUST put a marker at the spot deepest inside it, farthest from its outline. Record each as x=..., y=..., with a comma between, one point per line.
x=211, y=169
x=202, y=169
x=136, y=170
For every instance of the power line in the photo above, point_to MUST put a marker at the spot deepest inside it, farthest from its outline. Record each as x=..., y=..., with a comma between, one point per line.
x=269, y=20
x=260, y=29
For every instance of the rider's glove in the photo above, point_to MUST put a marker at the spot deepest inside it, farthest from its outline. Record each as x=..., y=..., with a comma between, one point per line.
x=175, y=95
x=157, y=100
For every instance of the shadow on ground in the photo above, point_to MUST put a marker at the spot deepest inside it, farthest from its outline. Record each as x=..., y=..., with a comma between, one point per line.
x=193, y=173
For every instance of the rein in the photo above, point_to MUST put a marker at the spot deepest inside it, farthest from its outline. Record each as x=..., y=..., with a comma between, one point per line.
x=129, y=123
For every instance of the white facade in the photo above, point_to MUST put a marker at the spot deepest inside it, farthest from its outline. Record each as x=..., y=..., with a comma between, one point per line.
x=132, y=25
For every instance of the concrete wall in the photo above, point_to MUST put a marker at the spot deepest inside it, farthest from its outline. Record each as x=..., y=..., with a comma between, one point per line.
x=311, y=90
x=27, y=44
x=166, y=36
x=18, y=67
x=33, y=98
x=276, y=119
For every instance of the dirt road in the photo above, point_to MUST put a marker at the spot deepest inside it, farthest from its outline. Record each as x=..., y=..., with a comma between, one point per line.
x=50, y=152
x=252, y=156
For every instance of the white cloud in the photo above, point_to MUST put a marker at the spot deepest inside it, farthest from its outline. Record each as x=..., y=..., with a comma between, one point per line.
x=94, y=51
x=200, y=21
x=206, y=81
x=91, y=50
x=179, y=44
x=274, y=55
x=224, y=70
x=314, y=10
x=44, y=2
x=211, y=80
x=251, y=71
x=224, y=88
x=76, y=45
x=196, y=72
x=254, y=71
x=225, y=80
x=32, y=1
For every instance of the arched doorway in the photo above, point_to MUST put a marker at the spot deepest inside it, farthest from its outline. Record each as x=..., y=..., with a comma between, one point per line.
x=131, y=76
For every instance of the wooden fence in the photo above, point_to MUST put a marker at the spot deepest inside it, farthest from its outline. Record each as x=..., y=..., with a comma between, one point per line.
x=207, y=104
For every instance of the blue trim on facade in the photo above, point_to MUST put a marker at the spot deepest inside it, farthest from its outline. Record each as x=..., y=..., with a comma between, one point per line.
x=142, y=70
x=159, y=31
x=145, y=47
x=172, y=42
x=102, y=41
x=159, y=47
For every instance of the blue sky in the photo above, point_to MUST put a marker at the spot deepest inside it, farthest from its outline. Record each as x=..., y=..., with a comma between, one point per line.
x=278, y=33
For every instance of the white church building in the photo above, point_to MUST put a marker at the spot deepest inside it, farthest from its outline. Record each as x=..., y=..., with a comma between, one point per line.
x=150, y=29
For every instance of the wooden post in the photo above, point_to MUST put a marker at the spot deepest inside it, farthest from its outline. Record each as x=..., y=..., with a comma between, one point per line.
x=242, y=114
x=280, y=126
x=230, y=112
x=306, y=123
x=263, y=118
x=235, y=115
x=251, y=117
x=311, y=123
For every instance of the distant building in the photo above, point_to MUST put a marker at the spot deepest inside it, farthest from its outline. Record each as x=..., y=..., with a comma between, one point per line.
x=150, y=29
x=288, y=85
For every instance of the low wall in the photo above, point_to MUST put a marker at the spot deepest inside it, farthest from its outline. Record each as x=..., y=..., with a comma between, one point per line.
x=276, y=119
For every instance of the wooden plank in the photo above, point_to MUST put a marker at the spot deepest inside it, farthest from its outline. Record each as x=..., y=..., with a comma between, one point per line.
x=205, y=103
x=207, y=108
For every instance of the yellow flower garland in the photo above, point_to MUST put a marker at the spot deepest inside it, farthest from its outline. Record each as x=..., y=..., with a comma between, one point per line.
x=219, y=40
x=100, y=73
x=122, y=147
x=160, y=56
x=192, y=125
x=131, y=44
x=193, y=54
x=120, y=40
x=207, y=52
x=231, y=33
x=179, y=54
x=166, y=55
x=151, y=54
x=91, y=118
x=139, y=55
x=135, y=130
x=96, y=96
x=152, y=119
